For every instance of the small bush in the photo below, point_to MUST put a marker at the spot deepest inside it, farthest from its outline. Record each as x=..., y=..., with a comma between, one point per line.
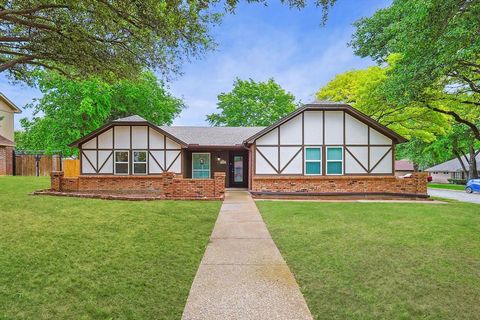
x=458, y=181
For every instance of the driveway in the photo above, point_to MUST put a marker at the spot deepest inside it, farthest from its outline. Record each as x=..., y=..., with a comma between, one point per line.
x=455, y=195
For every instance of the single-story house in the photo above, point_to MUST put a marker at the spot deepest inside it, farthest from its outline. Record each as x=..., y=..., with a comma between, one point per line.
x=7, y=138
x=321, y=149
x=403, y=167
x=451, y=169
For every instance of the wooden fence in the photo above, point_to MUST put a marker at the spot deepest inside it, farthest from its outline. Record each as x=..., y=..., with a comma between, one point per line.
x=36, y=164
x=71, y=168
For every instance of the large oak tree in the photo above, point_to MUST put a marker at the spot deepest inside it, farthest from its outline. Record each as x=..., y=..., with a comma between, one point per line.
x=108, y=38
x=439, y=47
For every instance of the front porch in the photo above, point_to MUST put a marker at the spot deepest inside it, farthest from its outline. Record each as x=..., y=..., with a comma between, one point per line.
x=201, y=163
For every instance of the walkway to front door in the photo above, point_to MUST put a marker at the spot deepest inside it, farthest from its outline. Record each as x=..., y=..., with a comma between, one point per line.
x=242, y=274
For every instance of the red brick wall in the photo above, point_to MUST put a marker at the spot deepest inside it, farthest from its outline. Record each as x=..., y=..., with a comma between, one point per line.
x=416, y=185
x=168, y=185
x=6, y=161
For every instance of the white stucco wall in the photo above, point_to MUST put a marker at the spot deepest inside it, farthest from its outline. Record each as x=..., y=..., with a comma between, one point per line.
x=6, y=124
x=366, y=151
x=143, y=138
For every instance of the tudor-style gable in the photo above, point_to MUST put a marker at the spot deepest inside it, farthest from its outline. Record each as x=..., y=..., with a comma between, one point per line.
x=324, y=139
x=129, y=146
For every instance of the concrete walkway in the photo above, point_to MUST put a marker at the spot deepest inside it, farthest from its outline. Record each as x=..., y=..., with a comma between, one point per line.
x=242, y=274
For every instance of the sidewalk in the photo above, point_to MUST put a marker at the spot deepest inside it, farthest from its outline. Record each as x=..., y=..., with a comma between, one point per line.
x=242, y=274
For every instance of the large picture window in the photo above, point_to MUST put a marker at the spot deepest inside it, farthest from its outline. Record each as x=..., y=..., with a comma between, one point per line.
x=200, y=165
x=139, y=162
x=121, y=162
x=313, y=161
x=334, y=160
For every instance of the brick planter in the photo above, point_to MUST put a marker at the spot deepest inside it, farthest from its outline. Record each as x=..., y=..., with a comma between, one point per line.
x=164, y=186
x=347, y=186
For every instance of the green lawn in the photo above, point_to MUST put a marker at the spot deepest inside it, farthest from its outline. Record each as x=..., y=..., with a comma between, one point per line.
x=69, y=258
x=381, y=260
x=446, y=186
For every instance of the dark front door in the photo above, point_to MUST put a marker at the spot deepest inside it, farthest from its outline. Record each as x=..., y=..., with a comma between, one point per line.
x=237, y=169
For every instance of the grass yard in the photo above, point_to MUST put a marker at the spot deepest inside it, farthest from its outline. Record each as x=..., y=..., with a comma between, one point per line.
x=446, y=186
x=70, y=258
x=381, y=260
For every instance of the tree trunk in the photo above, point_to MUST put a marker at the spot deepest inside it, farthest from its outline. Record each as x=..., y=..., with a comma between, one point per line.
x=459, y=157
x=472, y=172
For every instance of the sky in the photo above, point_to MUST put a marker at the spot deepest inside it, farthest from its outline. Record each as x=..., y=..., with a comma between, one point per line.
x=257, y=42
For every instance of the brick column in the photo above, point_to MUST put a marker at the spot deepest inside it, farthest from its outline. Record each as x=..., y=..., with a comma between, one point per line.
x=56, y=180
x=168, y=189
x=420, y=182
x=219, y=178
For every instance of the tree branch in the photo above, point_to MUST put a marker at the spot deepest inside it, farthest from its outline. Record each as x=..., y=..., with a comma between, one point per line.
x=471, y=125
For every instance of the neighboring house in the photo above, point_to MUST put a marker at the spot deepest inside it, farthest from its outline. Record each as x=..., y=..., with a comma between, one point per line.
x=403, y=167
x=451, y=169
x=321, y=149
x=7, y=144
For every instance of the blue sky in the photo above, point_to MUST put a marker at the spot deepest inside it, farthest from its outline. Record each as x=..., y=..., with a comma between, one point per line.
x=258, y=42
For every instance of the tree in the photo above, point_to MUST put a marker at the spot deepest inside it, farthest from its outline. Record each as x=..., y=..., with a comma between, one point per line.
x=251, y=104
x=439, y=49
x=363, y=90
x=70, y=109
x=111, y=39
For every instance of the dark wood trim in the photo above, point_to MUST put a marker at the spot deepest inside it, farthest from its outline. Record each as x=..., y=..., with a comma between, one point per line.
x=111, y=124
x=104, y=162
x=383, y=157
x=165, y=152
x=344, y=164
x=303, y=143
x=290, y=161
x=332, y=107
x=155, y=159
x=175, y=159
x=263, y=156
x=95, y=169
x=393, y=158
x=368, y=147
x=358, y=161
x=278, y=149
x=130, y=158
x=96, y=144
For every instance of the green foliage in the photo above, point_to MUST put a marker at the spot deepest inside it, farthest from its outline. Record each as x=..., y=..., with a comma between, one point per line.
x=111, y=39
x=439, y=50
x=363, y=90
x=70, y=109
x=252, y=103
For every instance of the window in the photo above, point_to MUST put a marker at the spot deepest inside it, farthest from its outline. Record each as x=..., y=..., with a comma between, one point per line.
x=121, y=162
x=200, y=165
x=334, y=160
x=313, y=161
x=139, y=162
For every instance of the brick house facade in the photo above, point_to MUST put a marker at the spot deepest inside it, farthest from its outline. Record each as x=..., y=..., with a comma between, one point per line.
x=322, y=149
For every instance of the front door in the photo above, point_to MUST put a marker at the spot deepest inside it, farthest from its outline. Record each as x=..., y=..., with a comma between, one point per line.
x=238, y=170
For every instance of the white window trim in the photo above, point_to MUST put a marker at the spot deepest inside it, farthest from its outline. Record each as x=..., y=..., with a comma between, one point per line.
x=115, y=163
x=209, y=164
x=305, y=161
x=133, y=162
x=327, y=161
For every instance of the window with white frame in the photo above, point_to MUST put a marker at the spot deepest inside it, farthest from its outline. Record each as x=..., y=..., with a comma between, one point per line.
x=313, y=161
x=200, y=165
x=121, y=162
x=334, y=160
x=139, y=162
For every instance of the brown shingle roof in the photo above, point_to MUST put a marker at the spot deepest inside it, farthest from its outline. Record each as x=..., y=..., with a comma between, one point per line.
x=212, y=136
